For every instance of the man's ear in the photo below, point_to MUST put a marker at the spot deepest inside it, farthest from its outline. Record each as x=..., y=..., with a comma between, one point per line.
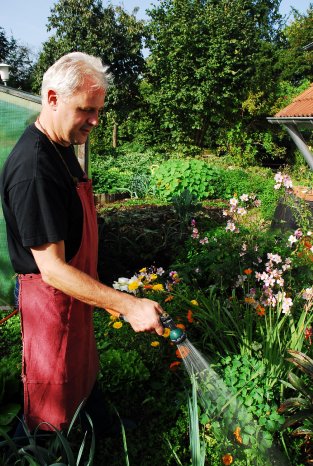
x=52, y=98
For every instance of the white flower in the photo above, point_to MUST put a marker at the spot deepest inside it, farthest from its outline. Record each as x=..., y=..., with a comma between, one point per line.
x=308, y=294
x=233, y=202
x=292, y=239
x=241, y=279
x=225, y=213
x=274, y=258
x=121, y=284
x=244, y=197
x=230, y=226
x=277, y=186
x=298, y=233
x=241, y=211
x=287, y=182
x=309, y=233
x=286, y=302
x=278, y=177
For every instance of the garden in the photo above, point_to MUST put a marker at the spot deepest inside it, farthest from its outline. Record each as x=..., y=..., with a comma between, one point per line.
x=199, y=208
x=228, y=253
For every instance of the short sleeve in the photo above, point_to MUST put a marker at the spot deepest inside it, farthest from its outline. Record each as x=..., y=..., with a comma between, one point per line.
x=39, y=206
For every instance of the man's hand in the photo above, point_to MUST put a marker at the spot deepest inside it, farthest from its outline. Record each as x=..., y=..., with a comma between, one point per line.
x=144, y=316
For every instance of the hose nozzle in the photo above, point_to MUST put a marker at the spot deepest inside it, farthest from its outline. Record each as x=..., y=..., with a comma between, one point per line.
x=177, y=335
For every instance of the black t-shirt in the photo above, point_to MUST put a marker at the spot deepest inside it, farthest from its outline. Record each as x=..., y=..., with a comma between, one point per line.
x=39, y=199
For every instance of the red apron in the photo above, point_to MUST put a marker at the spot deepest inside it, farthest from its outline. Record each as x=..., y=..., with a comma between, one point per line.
x=60, y=360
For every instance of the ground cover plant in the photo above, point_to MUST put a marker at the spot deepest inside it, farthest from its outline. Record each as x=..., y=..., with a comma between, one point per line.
x=241, y=290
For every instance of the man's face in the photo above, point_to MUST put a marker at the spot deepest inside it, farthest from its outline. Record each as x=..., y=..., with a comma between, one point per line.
x=77, y=115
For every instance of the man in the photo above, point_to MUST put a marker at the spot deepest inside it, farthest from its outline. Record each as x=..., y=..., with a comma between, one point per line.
x=52, y=238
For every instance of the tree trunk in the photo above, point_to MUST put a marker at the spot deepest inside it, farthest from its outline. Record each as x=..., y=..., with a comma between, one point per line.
x=114, y=135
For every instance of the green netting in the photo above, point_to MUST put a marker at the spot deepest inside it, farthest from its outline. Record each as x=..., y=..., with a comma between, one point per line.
x=15, y=114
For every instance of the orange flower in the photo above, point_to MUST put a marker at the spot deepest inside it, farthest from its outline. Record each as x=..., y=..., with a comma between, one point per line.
x=237, y=434
x=148, y=287
x=248, y=271
x=249, y=300
x=189, y=316
x=227, y=459
x=155, y=344
x=260, y=310
x=166, y=333
x=182, y=352
x=169, y=298
x=174, y=365
x=181, y=326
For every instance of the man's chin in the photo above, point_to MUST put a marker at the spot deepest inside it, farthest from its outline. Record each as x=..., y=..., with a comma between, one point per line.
x=81, y=139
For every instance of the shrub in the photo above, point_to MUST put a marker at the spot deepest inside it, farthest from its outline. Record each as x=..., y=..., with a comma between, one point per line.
x=177, y=175
x=123, y=169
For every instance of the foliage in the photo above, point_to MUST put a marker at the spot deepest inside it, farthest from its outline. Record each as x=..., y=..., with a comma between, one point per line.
x=176, y=175
x=248, y=146
x=294, y=60
x=49, y=449
x=202, y=65
x=121, y=367
x=111, y=34
x=197, y=446
x=9, y=395
x=123, y=169
x=18, y=56
x=300, y=408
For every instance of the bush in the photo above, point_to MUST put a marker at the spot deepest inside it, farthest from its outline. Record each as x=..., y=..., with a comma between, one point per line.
x=175, y=176
x=123, y=170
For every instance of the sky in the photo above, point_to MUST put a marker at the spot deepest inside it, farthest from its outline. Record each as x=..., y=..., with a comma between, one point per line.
x=26, y=20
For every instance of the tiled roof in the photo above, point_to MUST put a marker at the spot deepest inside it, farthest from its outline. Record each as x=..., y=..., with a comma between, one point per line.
x=301, y=106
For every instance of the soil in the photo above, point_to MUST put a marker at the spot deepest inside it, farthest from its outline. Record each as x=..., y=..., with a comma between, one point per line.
x=141, y=235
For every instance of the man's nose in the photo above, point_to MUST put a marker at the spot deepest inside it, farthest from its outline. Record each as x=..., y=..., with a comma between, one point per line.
x=93, y=119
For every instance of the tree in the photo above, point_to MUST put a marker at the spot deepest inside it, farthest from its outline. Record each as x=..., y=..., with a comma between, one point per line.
x=110, y=33
x=296, y=63
x=203, y=63
x=19, y=58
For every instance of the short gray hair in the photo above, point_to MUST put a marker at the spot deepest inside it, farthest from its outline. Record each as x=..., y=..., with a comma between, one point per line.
x=68, y=74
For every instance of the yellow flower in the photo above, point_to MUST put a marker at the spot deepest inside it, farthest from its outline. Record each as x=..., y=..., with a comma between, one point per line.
x=143, y=270
x=166, y=333
x=194, y=302
x=133, y=285
x=153, y=276
x=155, y=344
x=113, y=318
x=158, y=287
x=117, y=325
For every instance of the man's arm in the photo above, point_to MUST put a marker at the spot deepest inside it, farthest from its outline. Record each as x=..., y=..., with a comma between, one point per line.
x=142, y=314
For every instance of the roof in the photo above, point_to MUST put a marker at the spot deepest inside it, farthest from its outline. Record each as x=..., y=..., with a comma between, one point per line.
x=301, y=106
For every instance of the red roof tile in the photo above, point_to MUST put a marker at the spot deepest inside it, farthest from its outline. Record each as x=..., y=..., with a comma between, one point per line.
x=301, y=106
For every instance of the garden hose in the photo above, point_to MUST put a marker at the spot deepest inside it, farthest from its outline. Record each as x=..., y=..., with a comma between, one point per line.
x=177, y=335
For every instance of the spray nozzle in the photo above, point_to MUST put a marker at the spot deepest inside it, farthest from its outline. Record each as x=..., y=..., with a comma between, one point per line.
x=177, y=335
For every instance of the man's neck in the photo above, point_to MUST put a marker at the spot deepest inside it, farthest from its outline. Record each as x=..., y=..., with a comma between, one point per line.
x=46, y=127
